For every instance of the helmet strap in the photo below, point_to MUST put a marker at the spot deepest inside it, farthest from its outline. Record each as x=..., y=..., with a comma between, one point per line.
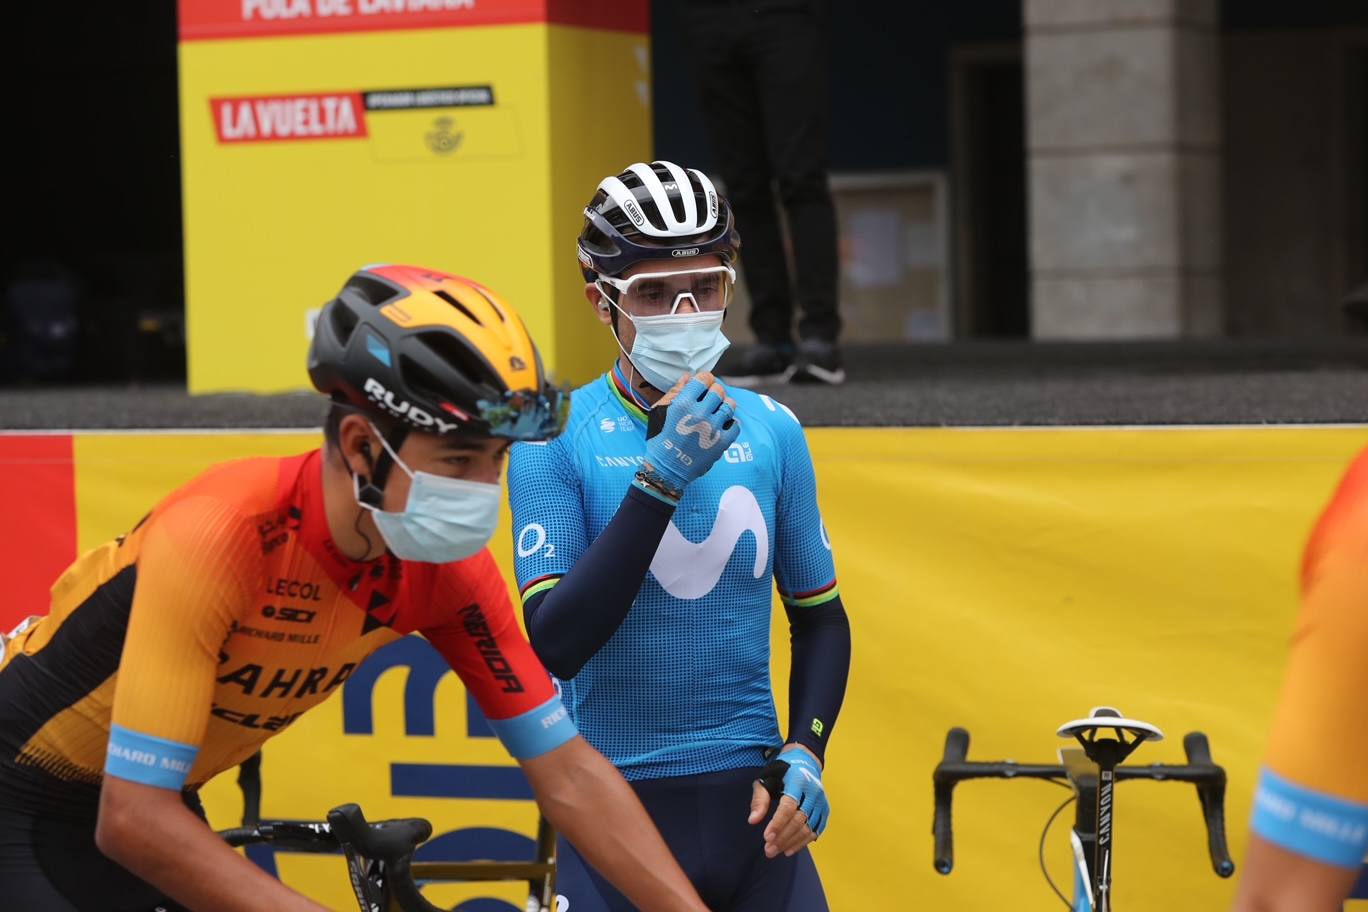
x=395, y=438
x=371, y=490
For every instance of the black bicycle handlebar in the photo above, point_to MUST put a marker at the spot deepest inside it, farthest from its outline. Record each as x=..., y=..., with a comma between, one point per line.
x=956, y=749
x=1211, y=795
x=1199, y=771
x=347, y=830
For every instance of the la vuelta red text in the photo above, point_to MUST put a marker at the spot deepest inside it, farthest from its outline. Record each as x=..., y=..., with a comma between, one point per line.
x=287, y=117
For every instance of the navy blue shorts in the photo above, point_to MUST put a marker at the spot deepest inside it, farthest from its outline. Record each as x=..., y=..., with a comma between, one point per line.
x=703, y=820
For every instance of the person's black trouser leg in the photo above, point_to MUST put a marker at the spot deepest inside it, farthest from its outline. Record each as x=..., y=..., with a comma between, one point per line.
x=790, y=65
x=719, y=35
x=764, y=87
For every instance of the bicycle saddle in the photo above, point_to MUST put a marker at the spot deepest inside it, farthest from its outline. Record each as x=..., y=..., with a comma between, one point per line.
x=385, y=840
x=1105, y=717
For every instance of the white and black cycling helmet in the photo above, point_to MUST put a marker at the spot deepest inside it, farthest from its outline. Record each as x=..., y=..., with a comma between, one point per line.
x=651, y=212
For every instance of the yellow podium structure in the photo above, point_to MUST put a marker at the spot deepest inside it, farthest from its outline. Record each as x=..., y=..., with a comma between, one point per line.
x=466, y=135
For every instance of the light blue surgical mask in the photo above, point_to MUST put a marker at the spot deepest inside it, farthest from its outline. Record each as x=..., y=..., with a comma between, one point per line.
x=444, y=520
x=671, y=345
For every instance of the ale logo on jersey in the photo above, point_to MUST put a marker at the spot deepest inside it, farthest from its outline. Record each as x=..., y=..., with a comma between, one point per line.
x=339, y=115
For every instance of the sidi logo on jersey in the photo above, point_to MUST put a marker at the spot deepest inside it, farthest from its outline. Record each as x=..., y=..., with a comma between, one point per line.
x=401, y=408
x=690, y=570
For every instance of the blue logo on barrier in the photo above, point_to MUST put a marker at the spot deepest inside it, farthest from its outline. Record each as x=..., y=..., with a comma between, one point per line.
x=426, y=668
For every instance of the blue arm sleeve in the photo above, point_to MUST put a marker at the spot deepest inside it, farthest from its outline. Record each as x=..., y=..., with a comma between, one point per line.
x=821, y=665
x=570, y=622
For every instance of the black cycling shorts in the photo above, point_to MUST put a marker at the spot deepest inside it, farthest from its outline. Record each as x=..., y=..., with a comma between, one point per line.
x=51, y=864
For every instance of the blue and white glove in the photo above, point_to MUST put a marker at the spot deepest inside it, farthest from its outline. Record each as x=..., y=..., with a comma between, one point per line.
x=796, y=774
x=685, y=439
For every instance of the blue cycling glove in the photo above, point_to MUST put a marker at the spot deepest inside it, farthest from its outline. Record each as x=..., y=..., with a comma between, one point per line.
x=796, y=774
x=685, y=439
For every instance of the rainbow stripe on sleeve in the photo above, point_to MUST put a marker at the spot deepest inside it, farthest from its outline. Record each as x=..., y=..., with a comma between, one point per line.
x=540, y=584
x=812, y=597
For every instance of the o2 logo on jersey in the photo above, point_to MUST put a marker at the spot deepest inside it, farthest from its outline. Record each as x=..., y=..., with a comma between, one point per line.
x=532, y=539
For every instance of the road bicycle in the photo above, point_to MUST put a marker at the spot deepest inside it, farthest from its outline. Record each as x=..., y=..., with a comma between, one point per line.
x=1105, y=738
x=380, y=854
x=384, y=876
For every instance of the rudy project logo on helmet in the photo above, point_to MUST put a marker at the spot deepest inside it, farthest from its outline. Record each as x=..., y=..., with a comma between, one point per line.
x=633, y=213
x=402, y=409
x=686, y=252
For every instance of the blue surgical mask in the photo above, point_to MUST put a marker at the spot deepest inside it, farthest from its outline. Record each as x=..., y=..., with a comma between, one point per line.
x=669, y=346
x=444, y=520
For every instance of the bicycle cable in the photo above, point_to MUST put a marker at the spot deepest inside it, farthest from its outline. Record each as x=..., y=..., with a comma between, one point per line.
x=1041, y=851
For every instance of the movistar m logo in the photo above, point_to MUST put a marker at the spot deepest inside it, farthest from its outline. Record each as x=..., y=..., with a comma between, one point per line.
x=707, y=435
x=689, y=570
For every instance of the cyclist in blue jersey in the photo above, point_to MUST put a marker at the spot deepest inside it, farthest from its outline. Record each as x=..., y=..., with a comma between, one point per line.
x=649, y=538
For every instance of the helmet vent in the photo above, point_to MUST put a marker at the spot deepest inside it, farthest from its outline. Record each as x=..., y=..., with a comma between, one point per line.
x=459, y=306
x=495, y=307
x=376, y=292
x=457, y=356
x=343, y=323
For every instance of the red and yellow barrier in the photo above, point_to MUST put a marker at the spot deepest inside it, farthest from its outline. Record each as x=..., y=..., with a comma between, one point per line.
x=1005, y=581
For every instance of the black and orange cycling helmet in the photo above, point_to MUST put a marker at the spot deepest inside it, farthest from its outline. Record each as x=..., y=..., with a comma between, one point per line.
x=436, y=353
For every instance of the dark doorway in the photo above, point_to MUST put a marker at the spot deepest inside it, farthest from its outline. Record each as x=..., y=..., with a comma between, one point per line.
x=988, y=184
x=91, y=279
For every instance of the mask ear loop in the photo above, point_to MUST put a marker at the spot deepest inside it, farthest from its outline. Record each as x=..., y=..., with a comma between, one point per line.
x=613, y=327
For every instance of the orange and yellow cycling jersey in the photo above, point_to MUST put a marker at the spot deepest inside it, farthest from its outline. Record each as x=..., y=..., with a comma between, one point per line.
x=175, y=651
x=1313, y=791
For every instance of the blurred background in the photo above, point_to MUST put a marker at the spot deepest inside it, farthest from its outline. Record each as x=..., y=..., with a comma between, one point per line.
x=1002, y=170
x=1097, y=219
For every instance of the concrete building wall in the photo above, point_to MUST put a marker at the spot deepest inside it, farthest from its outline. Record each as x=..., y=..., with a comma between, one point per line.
x=1124, y=159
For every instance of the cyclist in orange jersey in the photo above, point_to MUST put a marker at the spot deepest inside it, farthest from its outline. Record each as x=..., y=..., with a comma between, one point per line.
x=1309, y=833
x=250, y=594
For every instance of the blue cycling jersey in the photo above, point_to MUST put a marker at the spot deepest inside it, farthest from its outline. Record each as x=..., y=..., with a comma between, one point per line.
x=683, y=686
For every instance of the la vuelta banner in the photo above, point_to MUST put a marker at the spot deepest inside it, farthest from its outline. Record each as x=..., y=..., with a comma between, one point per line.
x=1004, y=581
x=319, y=136
x=216, y=19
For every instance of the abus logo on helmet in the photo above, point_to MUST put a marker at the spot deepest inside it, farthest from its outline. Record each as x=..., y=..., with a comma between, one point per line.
x=712, y=203
x=381, y=396
x=633, y=213
x=687, y=251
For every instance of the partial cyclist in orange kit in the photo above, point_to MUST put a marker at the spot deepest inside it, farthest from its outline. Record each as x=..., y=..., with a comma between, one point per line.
x=251, y=593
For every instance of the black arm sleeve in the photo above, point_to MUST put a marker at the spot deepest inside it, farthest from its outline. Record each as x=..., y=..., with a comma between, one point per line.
x=570, y=622
x=821, y=665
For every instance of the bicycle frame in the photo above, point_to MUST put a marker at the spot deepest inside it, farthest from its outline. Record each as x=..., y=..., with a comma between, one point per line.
x=1092, y=837
x=379, y=856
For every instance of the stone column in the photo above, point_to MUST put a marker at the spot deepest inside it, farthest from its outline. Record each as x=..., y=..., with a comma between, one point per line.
x=1123, y=136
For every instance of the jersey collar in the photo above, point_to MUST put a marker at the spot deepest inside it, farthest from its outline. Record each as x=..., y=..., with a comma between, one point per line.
x=626, y=396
